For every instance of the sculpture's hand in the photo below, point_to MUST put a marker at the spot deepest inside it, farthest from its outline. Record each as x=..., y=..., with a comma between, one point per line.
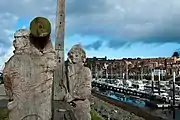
x=11, y=105
x=68, y=98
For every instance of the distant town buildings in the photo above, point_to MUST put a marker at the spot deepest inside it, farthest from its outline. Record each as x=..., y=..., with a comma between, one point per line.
x=134, y=67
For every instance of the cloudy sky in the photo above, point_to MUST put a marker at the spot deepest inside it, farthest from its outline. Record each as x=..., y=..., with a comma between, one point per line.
x=112, y=28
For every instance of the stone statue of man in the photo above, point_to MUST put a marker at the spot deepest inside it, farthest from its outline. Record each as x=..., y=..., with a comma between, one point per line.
x=28, y=74
x=21, y=45
x=21, y=42
x=78, y=83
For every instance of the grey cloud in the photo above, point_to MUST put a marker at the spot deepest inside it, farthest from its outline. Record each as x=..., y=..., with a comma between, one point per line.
x=7, y=21
x=115, y=44
x=27, y=8
x=3, y=49
x=117, y=22
x=86, y=7
x=11, y=11
x=94, y=45
x=130, y=21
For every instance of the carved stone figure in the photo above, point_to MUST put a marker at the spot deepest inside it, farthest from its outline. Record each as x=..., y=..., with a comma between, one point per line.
x=78, y=83
x=28, y=77
x=21, y=42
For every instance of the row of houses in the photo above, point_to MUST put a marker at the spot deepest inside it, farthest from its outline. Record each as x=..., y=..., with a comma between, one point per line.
x=133, y=66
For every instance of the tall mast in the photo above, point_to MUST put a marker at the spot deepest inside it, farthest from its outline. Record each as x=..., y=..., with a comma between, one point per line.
x=57, y=91
x=59, y=48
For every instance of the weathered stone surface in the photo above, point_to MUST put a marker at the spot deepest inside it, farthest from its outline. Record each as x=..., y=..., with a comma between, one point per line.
x=63, y=111
x=78, y=83
x=21, y=42
x=28, y=77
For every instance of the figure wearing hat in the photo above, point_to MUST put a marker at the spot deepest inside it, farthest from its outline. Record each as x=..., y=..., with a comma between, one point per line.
x=28, y=74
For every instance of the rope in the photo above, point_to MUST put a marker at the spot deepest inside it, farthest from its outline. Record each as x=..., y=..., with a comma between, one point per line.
x=32, y=115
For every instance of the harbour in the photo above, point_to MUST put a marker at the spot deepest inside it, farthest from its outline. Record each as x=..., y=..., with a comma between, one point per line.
x=140, y=79
x=161, y=97
x=165, y=114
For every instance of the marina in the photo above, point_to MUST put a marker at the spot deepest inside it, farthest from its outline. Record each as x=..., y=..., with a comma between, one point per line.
x=90, y=60
x=166, y=114
x=159, y=95
x=132, y=91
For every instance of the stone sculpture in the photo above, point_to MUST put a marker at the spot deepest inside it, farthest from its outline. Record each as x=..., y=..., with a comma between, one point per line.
x=28, y=75
x=78, y=83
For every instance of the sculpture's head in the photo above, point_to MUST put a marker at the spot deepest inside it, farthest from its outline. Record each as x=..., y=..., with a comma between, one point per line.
x=21, y=39
x=77, y=54
x=40, y=29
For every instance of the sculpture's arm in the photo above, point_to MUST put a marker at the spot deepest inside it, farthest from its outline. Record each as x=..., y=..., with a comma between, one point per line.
x=84, y=90
x=7, y=84
x=9, y=75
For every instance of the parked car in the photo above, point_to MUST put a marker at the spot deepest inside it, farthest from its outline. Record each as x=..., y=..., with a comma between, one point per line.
x=1, y=78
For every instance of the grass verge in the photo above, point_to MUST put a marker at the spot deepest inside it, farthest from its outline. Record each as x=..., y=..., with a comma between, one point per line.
x=94, y=115
x=3, y=114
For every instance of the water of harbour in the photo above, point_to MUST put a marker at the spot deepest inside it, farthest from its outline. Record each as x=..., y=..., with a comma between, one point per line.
x=121, y=97
x=168, y=114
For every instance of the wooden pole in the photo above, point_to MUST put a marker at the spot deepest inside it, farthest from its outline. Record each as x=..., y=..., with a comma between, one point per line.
x=59, y=48
x=58, y=91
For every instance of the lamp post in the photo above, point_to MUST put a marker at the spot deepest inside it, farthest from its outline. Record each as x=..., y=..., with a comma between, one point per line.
x=152, y=78
x=127, y=77
x=96, y=73
x=105, y=67
x=174, y=77
x=159, y=78
x=111, y=71
x=120, y=71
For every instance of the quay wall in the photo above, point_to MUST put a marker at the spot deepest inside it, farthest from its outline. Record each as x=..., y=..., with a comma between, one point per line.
x=126, y=111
